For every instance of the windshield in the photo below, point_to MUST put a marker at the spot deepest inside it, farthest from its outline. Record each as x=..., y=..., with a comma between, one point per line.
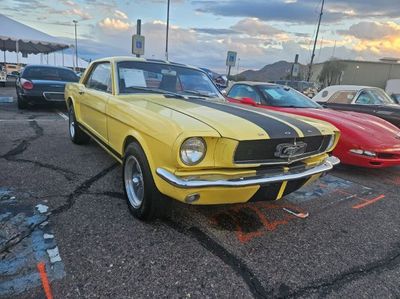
x=281, y=96
x=50, y=73
x=374, y=97
x=139, y=77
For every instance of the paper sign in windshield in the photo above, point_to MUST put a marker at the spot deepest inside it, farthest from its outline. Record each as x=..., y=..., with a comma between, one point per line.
x=133, y=77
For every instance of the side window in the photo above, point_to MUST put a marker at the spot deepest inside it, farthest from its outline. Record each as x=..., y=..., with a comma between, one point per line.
x=342, y=97
x=100, y=78
x=250, y=92
x=365, y=98
x=233, y=93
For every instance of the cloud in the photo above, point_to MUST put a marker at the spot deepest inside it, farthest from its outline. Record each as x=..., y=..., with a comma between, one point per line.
x=120, y=14
x=301, y=11
x=375, y=38
x=112, y=25
x=215, y=31
x=78, y=12
x=372, y=30
x=248, y=26
x=255, y=27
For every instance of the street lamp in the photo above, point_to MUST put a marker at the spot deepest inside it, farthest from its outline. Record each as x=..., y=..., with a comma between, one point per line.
x=166, y=40
x=76, y=45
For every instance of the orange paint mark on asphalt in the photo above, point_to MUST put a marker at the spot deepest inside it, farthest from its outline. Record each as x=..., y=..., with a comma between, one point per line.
x=260, y=210
x=45, y=281
x=368, y=202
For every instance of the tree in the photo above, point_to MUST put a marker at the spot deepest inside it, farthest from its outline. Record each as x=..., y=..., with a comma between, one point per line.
x=331, y=72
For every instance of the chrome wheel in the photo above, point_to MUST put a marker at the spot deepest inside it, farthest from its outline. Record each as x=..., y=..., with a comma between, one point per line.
x=71, y=124
x=72, y=128
x=134, y=183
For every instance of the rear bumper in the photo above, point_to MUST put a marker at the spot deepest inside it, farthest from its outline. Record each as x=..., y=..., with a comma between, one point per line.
x=43, y=98
x=188, y=182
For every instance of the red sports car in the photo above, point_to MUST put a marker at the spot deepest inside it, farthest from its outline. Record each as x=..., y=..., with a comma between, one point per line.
x=365, y=141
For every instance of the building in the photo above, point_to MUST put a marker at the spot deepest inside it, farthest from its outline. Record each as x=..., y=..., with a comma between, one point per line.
x=366, y=73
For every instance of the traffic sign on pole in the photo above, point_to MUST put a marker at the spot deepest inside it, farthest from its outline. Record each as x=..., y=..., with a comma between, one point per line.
x=138, y=44
x=231, y=58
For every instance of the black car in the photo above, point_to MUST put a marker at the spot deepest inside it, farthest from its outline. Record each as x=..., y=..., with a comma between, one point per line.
x=40, y=84
x=364, y=99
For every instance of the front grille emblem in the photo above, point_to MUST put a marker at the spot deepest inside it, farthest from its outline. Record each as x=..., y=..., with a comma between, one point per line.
x=290, y=150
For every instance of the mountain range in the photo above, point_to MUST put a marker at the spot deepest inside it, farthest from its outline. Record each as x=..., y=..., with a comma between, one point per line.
x=271, y=72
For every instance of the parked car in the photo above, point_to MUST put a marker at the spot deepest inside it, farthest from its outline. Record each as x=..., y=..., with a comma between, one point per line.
x=176, y=135
x=365, y=99
x=393, y=89
x=3, y=77
x=366, y=140
x=39, y=84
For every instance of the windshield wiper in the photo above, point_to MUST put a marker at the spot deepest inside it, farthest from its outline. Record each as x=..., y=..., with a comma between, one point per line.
x=160, y=91
x=199, y=93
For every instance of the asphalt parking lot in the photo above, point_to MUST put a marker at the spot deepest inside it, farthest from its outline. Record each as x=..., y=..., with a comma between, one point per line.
x=62, y=206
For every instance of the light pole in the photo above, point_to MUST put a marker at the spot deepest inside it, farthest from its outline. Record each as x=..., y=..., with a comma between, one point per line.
x=166, y=40
x=76, y=45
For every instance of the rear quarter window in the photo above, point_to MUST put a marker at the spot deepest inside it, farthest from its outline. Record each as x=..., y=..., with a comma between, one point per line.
x=342, y=97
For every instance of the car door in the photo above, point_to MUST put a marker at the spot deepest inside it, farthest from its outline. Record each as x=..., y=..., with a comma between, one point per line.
x=94, y=98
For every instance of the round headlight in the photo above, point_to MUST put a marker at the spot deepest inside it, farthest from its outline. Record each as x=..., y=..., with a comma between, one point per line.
x=193, y=150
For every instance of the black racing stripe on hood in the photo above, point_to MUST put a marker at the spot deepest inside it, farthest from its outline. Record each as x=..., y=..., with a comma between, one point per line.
x=306, y=128
x=273, y=127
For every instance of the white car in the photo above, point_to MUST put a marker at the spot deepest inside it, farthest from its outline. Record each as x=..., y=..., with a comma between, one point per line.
x=3, y=78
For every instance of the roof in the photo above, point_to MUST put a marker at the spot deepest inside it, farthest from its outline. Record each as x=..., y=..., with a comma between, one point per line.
x=55, y=59
x=133, y=58
x=362, y=61
x=30, y=41
x=253, y=83
x=328, y=91
x=46, y=66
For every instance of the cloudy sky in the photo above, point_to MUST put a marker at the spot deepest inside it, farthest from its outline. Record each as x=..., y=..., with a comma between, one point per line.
x=261, y=31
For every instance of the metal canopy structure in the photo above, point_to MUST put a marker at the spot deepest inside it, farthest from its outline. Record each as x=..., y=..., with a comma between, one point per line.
x=17, y=37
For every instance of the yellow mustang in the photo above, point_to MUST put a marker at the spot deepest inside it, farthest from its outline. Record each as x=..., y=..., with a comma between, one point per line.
x=176, y=135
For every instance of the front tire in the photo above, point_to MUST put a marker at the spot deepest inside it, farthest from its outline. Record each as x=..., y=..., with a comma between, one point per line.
x=75, y=132
x=141, y=193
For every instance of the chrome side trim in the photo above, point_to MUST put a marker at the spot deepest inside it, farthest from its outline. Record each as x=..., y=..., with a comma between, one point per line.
x=199, y=182
x=45, y=93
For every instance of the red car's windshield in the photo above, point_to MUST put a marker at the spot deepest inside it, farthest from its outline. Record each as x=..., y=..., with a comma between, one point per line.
x=281, y=96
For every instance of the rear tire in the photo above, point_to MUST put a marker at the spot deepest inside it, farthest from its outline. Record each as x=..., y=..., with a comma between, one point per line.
x=21, y=103
x=77, y=135
x=142, y=195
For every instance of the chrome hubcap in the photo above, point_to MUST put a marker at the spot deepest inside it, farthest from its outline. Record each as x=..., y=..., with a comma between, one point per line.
x=134, y=183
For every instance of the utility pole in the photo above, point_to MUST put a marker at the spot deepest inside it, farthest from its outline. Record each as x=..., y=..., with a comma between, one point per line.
x=76, y=45
x=138, y=30
x=166, y=40
x=315, y=41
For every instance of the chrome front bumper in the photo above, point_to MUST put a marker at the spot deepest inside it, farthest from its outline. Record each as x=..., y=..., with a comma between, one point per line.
x=251, y=180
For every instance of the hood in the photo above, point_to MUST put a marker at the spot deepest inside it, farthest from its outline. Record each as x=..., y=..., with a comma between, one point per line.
x=239, y=122
x=363, y=125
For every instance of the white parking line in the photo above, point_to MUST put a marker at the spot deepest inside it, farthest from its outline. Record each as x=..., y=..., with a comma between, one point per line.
x=62, y=115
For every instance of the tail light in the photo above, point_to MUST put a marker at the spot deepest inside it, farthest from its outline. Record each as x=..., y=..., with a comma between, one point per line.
x=26, y=84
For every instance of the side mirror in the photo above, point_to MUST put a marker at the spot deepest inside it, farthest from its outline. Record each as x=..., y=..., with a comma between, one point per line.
x=248, y=101
x=224, y=93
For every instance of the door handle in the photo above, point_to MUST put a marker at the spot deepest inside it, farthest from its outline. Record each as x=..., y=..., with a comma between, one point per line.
x=81, y=92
